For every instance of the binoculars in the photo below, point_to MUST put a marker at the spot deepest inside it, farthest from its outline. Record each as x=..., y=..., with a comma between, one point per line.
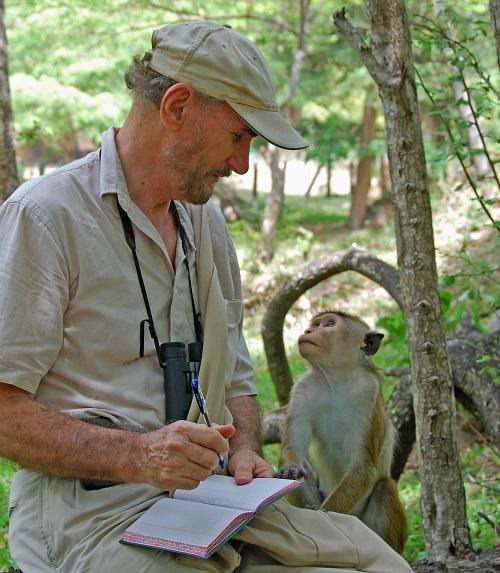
x=177, y=376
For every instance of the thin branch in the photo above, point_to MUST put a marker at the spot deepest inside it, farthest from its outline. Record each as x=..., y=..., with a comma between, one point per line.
x=495, y=526
x=475, y=64
x=458, y=155
x=476, y=122
x=352, y=35
x=275, y=22
x=478, y=434
x=300, y=53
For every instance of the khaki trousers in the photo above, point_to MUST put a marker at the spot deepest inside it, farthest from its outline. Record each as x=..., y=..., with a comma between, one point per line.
x=58, y=526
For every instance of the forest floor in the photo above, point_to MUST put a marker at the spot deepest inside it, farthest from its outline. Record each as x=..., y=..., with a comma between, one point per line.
x=487, y=561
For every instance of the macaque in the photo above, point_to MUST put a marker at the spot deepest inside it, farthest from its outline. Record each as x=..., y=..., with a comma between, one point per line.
x=337, y=433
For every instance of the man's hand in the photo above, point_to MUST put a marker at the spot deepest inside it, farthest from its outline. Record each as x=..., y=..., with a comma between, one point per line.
x=245, y=459
x=245, y=464
x=181, y=454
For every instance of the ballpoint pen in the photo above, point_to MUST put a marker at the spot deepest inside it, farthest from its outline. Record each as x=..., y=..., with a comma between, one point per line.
x=202, y=405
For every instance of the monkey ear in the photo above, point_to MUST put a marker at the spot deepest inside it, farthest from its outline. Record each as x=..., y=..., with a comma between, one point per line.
x=372, y=342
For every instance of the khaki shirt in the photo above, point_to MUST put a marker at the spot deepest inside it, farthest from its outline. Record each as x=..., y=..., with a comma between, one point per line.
x=71, y=305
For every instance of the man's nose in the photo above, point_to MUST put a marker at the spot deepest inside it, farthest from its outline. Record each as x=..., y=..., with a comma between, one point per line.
x=239, y=159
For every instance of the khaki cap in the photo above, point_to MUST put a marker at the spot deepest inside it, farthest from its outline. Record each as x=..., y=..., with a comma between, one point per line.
x=225, y=65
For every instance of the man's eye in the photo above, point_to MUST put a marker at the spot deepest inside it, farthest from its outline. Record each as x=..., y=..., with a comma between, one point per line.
x=237, y=137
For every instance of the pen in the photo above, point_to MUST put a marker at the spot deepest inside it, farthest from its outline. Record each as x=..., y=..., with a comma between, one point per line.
x=202, y=405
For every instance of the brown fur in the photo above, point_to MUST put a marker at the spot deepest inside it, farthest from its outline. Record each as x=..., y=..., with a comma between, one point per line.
x=337, y=433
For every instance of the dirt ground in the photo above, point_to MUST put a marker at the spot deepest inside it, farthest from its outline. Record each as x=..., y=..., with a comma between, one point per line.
x=485, y=562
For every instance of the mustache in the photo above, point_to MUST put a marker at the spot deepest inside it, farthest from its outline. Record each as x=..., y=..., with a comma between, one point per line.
x=224, y=172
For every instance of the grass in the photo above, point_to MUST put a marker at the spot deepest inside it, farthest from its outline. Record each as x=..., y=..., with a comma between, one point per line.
x=7, y=470
x=312, y=228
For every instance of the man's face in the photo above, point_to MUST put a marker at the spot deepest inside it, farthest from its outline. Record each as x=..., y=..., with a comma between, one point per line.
x=218, y=145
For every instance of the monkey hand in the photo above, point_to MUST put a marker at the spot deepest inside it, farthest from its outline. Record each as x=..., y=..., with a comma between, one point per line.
x=308, y=494
x=291, y=472
x=297, y=471
x=181, y=454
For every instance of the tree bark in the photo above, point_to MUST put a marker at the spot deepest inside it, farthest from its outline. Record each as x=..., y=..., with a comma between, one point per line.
x=389, y=61
x=359, y=197
x=9, y=179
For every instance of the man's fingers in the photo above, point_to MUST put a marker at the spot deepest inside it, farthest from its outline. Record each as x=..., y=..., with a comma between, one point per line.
x=227, y=430
x=210, y=438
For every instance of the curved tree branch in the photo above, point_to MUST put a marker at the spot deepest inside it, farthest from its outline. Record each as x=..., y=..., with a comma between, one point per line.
x=351, y=259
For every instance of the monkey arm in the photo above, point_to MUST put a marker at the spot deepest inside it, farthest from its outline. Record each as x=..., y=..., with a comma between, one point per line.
x=360, y=478
x=352, y=487
x=298, y=428
x=294, y=461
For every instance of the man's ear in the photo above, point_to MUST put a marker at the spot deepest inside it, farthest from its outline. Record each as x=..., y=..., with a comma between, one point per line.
x=372, y=342
x=175, y=105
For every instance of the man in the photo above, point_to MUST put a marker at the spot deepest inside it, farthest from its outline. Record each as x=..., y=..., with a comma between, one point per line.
x=74, y=353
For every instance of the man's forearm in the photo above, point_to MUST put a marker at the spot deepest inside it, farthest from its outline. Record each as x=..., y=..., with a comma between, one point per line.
x=176, y=456
x=46, y=440
x=246, y=420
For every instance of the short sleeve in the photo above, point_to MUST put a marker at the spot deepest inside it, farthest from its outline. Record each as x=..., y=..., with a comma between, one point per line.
x=34, y=294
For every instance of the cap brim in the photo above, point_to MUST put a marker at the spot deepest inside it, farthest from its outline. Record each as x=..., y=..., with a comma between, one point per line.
x=270, y=125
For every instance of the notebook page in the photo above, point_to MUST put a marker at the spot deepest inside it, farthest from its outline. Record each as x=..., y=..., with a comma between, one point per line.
x=222, y=491
x=183, y=523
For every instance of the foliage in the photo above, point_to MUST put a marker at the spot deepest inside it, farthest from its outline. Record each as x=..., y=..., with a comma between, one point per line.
x=456, y=43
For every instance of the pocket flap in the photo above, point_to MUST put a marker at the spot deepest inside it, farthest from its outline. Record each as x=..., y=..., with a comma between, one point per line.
x=234, y=312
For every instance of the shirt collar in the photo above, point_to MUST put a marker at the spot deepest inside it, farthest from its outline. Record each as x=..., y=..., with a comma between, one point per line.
x=112, y=181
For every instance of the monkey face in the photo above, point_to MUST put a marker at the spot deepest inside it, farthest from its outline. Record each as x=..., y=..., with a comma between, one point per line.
x=318, y=337
x=335, y=339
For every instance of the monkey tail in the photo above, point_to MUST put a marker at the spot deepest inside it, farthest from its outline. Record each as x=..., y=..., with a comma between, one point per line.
x=384, y=514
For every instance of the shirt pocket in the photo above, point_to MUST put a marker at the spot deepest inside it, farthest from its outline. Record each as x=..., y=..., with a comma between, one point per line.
x=234, y=312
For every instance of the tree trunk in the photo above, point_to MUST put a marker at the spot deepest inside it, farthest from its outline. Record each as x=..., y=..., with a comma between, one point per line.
x=8, y=170
x=275, y=198
x=313, y=180
x=495, y=22
x=329, y=178
x=255, y=196
x=364, y=172
x=389, y=61
x=385, y=183
x=274, y=203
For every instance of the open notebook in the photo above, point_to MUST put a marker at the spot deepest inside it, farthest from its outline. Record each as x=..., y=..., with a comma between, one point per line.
x=198, y=521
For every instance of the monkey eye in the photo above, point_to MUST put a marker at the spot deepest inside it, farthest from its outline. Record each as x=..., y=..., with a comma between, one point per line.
x=330, y=322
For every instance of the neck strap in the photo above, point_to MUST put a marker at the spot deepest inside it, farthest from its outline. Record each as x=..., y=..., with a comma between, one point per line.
x=130, y=238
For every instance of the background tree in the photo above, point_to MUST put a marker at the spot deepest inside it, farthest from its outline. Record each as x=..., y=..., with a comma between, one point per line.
x=362, y=185
x=389, y=61
x=8, y=169
x=277, y=165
